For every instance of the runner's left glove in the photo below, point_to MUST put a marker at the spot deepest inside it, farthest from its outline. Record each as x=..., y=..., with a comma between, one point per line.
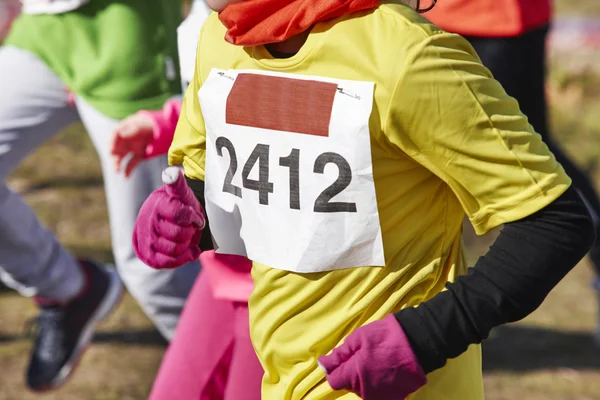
x=375, y=362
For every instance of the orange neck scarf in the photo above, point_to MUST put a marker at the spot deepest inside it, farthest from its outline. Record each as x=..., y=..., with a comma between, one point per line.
x=258, y=22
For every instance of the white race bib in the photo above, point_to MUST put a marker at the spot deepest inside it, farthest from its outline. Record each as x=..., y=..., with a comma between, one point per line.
x=51, y=6
x=289, y=179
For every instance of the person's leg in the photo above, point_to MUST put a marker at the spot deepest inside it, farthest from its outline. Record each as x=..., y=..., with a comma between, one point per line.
x=536, y=100
x=73, y=296
x=196, y=363
x=245, y=372
x=161, y=293
x=33, y=107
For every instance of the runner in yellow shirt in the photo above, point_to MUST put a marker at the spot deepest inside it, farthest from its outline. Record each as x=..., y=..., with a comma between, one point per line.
x=339, y=146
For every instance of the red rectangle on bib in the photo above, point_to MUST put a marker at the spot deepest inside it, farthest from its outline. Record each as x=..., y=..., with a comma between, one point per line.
x=282, y=104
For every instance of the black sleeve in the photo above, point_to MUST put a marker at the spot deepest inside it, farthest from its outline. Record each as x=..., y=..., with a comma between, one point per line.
x=197, y=187
x=525, y=263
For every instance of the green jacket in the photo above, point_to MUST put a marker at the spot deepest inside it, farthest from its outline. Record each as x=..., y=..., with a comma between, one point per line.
x=118, y=55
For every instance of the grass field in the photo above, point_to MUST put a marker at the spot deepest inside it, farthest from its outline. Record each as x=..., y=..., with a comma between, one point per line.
x=549, y=356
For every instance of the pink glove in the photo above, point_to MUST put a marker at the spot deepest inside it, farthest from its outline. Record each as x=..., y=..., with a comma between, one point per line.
x=375, y=362
x=169, y=224
x=164, y=123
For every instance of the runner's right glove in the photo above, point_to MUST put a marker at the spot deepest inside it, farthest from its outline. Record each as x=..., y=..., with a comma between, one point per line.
x=169, y=225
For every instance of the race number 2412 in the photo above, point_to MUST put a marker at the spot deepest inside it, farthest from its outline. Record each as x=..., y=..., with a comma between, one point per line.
x=260, y=156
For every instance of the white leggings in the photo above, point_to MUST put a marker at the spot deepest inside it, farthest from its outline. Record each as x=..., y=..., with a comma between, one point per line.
x=33, y=107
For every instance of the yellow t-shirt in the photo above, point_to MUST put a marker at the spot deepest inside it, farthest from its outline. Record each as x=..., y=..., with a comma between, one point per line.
x=445, y=140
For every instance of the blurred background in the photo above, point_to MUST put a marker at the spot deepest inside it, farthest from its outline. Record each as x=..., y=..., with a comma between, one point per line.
x=549, y=356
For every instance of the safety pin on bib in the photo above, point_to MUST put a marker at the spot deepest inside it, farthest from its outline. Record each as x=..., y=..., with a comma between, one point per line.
x=225, y=76
x=348, y=93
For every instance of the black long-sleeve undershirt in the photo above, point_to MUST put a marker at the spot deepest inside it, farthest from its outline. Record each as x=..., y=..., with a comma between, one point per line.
x=197, y=187
x=527, y=260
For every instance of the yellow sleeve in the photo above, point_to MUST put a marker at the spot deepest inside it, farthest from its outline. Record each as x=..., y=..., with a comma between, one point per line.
x=189, y=142
x=452, y=117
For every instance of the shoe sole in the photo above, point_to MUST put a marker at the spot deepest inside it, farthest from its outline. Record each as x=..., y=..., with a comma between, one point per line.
x=109, y=303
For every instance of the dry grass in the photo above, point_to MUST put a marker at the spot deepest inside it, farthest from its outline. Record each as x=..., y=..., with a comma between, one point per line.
x=588, y=8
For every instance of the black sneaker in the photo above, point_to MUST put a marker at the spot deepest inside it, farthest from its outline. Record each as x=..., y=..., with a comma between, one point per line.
x=64, y=331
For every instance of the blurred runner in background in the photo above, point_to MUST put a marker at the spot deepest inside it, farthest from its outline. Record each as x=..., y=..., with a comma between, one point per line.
x=211, y=356
x=117, y=57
